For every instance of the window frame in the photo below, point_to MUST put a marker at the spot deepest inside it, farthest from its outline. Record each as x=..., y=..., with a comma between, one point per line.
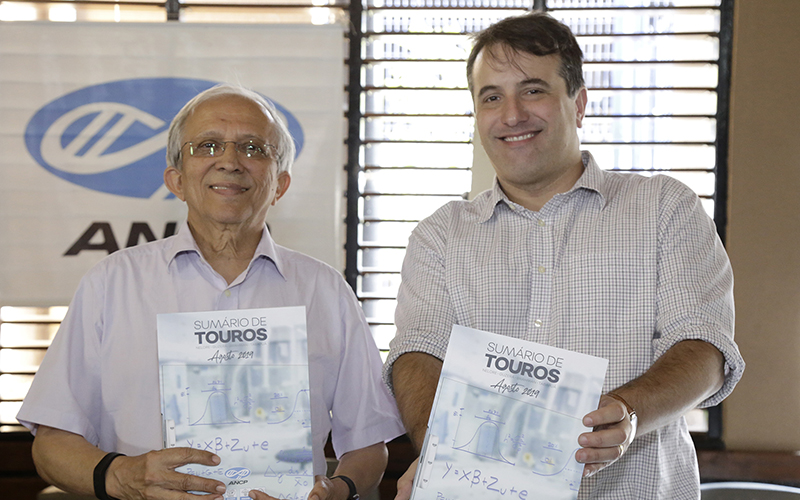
x=712, y=439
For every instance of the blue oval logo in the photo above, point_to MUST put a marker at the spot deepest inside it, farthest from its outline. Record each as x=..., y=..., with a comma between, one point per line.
x=112, y=137
x=237, y=473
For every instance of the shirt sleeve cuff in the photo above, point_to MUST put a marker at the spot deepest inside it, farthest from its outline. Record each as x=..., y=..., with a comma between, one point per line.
x=734, y=363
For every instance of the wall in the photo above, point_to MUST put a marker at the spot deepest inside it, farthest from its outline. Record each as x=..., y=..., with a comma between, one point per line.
x=764, y=225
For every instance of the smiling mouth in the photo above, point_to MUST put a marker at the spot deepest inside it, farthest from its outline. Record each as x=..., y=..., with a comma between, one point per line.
x=228, y=188
x=517, y=138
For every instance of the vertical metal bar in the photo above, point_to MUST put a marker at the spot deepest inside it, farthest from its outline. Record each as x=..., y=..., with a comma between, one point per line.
x=173, y=10
x=723, y=117
x=721, y=167
x=539, y=5
x=353, y=167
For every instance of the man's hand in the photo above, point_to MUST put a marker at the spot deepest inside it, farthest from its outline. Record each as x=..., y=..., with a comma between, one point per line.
x=152, y=476
x=67, y=461
x=324, y=489
x=363, y=466
x=406, y=482
x=613, y=433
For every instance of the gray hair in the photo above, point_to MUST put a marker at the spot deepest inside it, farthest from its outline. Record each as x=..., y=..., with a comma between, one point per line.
x=285, y=143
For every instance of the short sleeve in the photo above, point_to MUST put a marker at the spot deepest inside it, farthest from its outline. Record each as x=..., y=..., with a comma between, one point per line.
x=425, y=313
x=64, y=391
x=695, y=283
x=363, y=412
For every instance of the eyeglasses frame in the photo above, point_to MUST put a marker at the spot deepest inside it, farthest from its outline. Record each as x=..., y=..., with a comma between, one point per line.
x=237, y=146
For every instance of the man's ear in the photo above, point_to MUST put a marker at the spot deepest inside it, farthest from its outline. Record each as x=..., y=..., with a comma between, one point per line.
x=580, y=106
x=173, y=179
x=284, y=179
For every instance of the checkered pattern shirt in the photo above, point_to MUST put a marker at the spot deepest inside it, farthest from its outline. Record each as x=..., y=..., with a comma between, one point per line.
x=621, y=266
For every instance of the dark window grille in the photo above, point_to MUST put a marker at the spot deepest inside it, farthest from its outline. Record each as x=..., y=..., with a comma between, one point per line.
x=658, y=74
x=25, y=334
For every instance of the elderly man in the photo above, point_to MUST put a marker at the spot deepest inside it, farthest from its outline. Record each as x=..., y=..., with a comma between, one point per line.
x=559, y=252
x=229, y=159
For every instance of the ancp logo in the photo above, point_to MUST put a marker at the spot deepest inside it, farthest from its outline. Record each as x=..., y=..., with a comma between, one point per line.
x=237, y=473
x=112, y=137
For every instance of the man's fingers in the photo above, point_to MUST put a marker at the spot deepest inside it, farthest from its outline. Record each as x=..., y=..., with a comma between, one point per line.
x=161, y=471
x=260, y=495
x=321, y=490
x=599, y=455
x=153, y=474
x=323, y=487
x=170, y=459
x=188, y=482
x=601, y=448
x=611, y=411
x=177, y=457
x=406, y=482
x=592, y=469
x=605, y=438
x=612, y=434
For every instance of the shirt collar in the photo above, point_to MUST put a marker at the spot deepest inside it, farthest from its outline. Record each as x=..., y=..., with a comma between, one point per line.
x=495, y=195
x=591, y=179
x=184, y=242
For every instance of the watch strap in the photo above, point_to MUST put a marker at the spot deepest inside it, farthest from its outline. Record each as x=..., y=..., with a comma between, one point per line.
x=99, y=475
x=629, y=408
x=350, y=484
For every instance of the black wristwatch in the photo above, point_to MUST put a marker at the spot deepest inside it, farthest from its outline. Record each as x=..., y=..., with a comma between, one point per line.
x=350, y=484
x=99, y=476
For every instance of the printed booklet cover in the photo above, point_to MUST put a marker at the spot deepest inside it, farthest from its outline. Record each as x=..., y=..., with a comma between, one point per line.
x=236, y=383
x=506, y=420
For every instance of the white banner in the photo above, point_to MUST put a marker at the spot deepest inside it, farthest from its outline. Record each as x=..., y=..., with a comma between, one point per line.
x=85, y=108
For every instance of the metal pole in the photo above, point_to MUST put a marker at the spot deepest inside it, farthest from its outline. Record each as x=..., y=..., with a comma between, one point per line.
x=723, y=117
x=721, y=169
x=353, y=167
x=173, y=10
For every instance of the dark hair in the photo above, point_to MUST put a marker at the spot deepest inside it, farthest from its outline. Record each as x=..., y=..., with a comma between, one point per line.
x=538, y=34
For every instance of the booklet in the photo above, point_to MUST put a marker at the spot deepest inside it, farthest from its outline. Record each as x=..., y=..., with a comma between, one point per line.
x=506, y=419
x=235, y=383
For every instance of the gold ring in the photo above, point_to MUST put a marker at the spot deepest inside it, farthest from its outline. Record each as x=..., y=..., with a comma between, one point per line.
x=621, y=450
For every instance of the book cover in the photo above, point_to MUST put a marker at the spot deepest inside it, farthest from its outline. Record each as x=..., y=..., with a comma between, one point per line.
x=506, y=419
x=235, y=383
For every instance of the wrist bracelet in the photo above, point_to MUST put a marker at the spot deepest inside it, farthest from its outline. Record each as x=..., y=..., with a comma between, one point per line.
x=632, y=416
x=350, y=484
x=99, y=475
x=619, y=398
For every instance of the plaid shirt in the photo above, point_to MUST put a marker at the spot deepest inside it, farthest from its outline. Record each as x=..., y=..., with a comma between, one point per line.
x=621, y=266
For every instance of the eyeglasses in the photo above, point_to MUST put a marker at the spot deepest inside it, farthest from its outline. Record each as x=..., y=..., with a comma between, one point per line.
x=250, y=149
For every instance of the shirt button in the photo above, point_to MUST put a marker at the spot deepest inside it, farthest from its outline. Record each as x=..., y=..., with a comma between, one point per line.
x=227, y=293
x=541, y=222
x=537, y=323
x=542, y=269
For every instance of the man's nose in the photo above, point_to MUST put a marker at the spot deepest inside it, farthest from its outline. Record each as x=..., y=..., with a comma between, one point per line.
x=513, y=112
x=229, y=159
